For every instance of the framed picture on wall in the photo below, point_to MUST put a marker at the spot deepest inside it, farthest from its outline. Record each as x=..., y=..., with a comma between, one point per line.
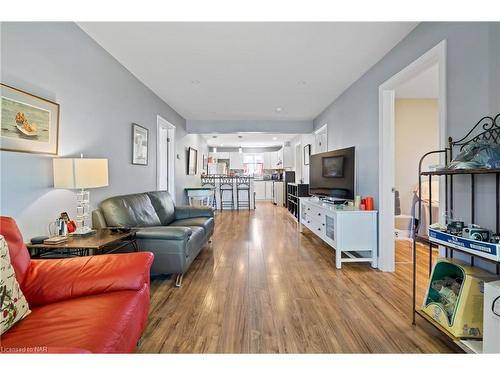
x=192, y=161
x=28, y=122
x=307, y=154
x=140, y=140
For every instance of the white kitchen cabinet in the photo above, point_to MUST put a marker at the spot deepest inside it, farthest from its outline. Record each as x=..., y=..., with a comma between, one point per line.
x=236, y=160
x=267, y=160
x=219, y=155
x=274, y=160
x=288, y=158
x=269, y=190
x=260, y=190
x=278, y=193
x=280, y=157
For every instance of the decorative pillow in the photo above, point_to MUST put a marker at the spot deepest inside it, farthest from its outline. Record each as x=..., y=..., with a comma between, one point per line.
x=14, y=306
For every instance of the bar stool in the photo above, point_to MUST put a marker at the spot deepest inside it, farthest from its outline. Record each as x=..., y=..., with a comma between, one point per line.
x=226, y=185
x=242, y=185
x=210, y=182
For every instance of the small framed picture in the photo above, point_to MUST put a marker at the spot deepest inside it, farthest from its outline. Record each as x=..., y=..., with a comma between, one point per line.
x=307, y=154
x=140, y=140
x=192, y=161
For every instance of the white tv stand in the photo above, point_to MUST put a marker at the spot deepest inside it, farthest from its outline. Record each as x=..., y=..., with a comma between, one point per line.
x=349, y=231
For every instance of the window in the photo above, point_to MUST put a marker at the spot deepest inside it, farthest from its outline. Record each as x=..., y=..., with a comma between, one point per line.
x=253, y=165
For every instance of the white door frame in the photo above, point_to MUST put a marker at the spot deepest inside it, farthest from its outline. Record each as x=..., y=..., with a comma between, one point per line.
x=323, y=128
x=161, y=123
x=298, y=161
x=437, y=55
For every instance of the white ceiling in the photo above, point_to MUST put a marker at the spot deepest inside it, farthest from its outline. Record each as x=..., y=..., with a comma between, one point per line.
x=423, y=86
x=245, y=71
x=247, y=139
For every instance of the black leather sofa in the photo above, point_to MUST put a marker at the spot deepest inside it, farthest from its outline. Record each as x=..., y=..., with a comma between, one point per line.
x=175, y=234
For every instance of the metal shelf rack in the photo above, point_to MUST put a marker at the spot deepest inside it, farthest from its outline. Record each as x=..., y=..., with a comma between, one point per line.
x=487, y=130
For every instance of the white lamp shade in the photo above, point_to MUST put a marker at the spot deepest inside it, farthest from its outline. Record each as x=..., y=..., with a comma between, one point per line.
x=80, y=173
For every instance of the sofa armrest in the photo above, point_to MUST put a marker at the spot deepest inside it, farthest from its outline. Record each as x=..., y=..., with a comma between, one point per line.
x=98, y=220
x=53, y=280
x=163, y=233
x=186, y=212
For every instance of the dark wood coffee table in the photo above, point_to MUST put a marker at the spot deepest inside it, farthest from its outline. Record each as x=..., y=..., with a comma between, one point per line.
x=102, y=242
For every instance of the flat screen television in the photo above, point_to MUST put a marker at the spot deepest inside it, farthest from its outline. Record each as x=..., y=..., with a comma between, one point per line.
x=331, y=174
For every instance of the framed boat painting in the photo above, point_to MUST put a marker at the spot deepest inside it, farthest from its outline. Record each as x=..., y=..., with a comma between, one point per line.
x=28, y=123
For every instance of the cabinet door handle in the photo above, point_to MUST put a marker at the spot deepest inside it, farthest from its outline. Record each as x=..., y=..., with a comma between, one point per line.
x=308, y=209
x=308, y=221
x=319, y=214
x=319, y=229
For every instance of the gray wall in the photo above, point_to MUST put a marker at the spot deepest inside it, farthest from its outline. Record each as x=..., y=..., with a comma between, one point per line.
x=473, y=72
x=226, y=126
x=473, y=90
x=99, y=99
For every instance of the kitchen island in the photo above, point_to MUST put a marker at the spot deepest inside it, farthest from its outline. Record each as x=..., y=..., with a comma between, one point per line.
x=211, y=186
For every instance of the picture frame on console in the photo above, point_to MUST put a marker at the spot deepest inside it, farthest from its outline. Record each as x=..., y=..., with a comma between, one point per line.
x=307, y=154
x=29, y=123
x=140, y=139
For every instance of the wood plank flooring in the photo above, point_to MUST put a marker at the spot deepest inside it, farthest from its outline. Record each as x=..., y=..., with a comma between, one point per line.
x=262, y=287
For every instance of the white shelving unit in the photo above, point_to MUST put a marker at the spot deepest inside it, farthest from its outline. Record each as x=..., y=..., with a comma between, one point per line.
x=350, y=232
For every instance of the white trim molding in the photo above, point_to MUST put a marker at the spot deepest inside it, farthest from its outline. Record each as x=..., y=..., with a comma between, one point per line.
x=436, y=55
x=162, y=123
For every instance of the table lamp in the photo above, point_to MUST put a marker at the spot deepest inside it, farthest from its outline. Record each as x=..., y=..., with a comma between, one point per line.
x=81, y=174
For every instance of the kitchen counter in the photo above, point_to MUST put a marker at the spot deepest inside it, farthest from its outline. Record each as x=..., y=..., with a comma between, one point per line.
x=205, y=180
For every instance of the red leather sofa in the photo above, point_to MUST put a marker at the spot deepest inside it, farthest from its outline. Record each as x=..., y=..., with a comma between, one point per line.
x=96, y=304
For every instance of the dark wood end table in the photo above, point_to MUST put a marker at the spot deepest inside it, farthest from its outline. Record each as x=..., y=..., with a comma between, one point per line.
x=102, y=242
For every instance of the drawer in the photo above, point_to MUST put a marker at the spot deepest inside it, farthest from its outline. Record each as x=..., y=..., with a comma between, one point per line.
x=314, y=213
x=314, y=223
x=317, y=229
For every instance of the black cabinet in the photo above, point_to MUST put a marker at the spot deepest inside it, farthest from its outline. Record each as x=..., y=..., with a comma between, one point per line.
x=294, y=192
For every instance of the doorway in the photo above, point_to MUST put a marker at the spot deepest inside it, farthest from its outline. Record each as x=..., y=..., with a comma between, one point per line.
x=321, y=139
x=433, y=61
x=298, y=162
x=165, y=154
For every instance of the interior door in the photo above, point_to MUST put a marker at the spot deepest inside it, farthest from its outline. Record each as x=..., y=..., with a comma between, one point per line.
x=321, y=143
x=163, y=145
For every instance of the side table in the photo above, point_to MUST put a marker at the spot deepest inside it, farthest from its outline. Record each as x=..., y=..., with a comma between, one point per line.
x=102, y=242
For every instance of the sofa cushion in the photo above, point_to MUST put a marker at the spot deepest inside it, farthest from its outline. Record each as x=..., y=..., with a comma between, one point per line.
x=134, y=210
x=163, y=233
x=13, y=304
x=102, y=323
x=163, y=205
x=19, y=256
x=207, y=223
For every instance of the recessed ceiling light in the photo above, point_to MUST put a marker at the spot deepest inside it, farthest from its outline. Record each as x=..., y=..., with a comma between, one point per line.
x=195, y=82
x=214, y=136
x=279, y=109
x=275, y=138
x=222, y=144
x=302, y=82
x=240, y=136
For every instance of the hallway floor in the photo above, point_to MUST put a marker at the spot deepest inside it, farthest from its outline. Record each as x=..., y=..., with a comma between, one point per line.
x=262, y=287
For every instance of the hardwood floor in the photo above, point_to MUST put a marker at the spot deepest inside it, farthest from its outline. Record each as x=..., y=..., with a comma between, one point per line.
x=262, y=287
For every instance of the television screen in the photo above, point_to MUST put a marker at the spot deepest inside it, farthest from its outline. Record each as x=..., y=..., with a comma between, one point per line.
x=331, y=174
x=333, y=166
